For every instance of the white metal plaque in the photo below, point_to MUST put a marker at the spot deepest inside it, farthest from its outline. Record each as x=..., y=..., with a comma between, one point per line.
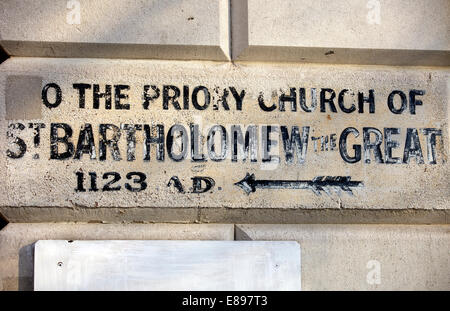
x=167, y=265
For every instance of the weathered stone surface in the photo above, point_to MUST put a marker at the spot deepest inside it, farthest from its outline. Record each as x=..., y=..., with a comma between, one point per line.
x=389, y=32
x=115, y=29
x=365, y=257
x=299, y=216
x=17, y=242
x=411, y=175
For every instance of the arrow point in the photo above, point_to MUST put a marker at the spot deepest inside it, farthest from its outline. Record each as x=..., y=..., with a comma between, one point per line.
x=247, y=183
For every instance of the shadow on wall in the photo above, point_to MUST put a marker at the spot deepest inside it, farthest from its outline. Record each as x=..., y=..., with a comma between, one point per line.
x=3, y=55
x=3, y=221
x=26, y=268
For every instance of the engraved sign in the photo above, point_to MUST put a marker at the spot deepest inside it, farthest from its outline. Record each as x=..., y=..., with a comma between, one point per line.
x=160, y=134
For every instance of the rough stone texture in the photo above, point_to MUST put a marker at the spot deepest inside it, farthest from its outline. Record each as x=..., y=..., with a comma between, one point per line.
x=350, y=31
x=393, y=32
x=301, y=216
x=49, y=185
x=116, y=29
x=345, y=257
x=17, y=242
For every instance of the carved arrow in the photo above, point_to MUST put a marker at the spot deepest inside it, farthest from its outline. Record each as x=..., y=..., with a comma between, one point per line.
x=316, y=185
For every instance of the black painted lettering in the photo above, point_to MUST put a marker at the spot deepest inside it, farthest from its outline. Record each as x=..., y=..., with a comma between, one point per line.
x=324, y=143
x=330, y=100
x=183, y=146
x=431, y=134
x=303, y=100
x=80, y=181
x=211, y=143
x=268, y=144
x=131, y=139
x=239, y=97
x=140, y=180
x=21, y=145
x=389, y=144
x=106, y=95
x=108, y=185
x=412, y=147
x=300, y=143
x=206, y=96
x=292, y=98
x=343, y=146
x=221, y=99
x=37, y=132
x=369, y=145
x=370, y=100
x=333, y=142
x=341, y=102
x=196, y=155
x=314, y=140
x=185, y=97
x=176, y=183
x=391, y=102
x=242, y=149
x=171, y=99
x=413, y=101
x=55, y=140
x=93, y=187
x=118, y=96
x=81, y=87
x=85, y=143
x=150, y=96
x=112, y=143
x=58, y=95
x=262, y=105
x=157, y=139
x=197, y=184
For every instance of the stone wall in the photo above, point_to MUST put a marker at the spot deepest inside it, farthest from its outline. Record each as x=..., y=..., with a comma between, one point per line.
x=322, y=122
